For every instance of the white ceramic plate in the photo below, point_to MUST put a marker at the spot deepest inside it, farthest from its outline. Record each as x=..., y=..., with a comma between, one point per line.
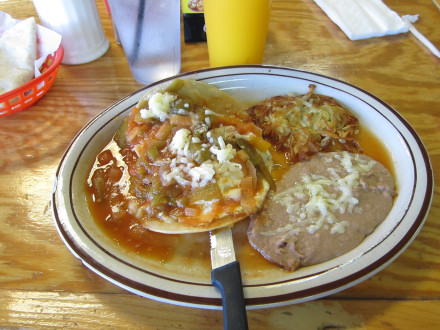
x=184, y=280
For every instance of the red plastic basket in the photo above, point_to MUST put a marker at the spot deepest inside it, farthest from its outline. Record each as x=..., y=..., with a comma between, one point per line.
x=26, y=95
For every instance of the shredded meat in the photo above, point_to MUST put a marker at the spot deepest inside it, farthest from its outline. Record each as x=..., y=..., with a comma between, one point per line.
x=301, y=126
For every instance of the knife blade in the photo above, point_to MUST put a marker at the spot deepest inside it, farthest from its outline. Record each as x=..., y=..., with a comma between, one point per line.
x=226, y=277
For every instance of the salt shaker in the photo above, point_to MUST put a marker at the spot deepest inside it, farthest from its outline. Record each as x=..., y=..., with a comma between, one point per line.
x=79, y=24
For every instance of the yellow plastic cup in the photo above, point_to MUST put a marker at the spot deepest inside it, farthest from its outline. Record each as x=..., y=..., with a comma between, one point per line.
x=236, y=31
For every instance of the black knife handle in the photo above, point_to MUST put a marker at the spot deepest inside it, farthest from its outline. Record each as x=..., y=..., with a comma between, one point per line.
x=227, y=279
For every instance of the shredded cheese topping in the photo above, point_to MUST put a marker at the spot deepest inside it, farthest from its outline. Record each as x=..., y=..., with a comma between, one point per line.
x=183, y=169
x=159, y=106
x=224, y=152
x=314, y=202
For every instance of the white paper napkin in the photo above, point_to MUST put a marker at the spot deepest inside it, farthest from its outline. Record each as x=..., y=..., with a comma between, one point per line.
x=362, y=19
x=48, y=41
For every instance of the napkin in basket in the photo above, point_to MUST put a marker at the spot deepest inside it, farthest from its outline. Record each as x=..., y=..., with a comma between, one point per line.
x=18, y=52
x=362, y=19
x=47, y=40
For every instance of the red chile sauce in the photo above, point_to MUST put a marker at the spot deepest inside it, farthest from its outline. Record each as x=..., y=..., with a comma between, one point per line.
x=127, y=232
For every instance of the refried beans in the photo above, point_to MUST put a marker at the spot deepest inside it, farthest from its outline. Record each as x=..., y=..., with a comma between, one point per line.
x=322, y=208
